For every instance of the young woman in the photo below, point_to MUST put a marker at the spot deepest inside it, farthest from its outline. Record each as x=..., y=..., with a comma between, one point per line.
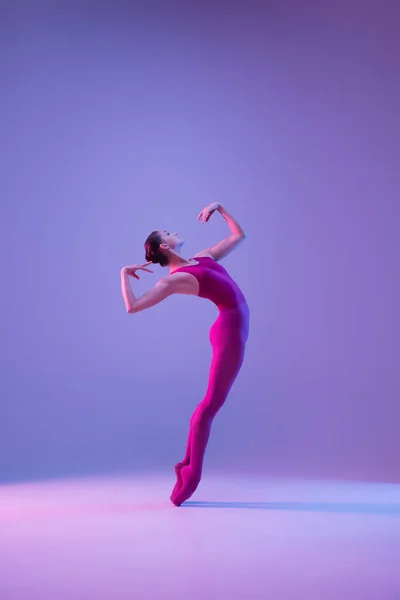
x=200, y=276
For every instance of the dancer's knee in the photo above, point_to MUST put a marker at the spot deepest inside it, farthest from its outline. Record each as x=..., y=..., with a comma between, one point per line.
x=205, y=415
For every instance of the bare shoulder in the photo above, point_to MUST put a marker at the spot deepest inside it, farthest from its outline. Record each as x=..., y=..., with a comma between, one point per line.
x=204, y=254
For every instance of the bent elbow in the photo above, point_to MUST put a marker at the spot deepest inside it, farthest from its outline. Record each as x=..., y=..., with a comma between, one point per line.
x=130, y=310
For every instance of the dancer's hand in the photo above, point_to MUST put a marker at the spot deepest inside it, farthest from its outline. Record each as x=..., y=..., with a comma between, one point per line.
x=131, y=269
x=207, y=212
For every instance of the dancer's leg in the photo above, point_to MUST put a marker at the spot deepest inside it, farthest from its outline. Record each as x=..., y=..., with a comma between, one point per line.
x=184, y=463
x=228, y=337
x=225, y=366
x=180, y=465
x=186, y=460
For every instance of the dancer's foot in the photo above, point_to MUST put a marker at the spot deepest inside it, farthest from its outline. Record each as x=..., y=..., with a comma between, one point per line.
x=178, y=483
x=178, y=467
x=190, y=482
x=175, y=490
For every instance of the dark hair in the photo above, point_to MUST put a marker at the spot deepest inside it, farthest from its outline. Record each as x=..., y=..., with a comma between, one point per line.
x=153, y=251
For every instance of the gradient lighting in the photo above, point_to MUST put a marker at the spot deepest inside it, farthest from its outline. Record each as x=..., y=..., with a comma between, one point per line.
x=118, y=119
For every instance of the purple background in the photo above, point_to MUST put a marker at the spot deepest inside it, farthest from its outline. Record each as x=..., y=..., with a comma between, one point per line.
x=120, y=119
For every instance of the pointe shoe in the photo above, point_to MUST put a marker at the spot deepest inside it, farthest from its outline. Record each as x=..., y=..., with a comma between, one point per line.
x=189, y=486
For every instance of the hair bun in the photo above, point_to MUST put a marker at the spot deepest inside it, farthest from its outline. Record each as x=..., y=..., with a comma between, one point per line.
x=150, y=256
x=153, y=253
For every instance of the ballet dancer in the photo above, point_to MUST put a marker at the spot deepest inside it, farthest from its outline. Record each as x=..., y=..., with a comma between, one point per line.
x=200, y=276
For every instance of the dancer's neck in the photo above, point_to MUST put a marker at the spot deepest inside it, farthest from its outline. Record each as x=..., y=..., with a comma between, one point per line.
x=176, y=262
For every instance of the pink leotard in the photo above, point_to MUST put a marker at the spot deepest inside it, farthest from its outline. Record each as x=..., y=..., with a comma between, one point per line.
x=228, y=336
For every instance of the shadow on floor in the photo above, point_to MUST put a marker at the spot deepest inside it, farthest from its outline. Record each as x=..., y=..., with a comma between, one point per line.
x=330, y=507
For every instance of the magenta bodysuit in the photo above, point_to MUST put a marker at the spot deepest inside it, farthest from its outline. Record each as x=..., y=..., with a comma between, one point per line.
x=228, y=337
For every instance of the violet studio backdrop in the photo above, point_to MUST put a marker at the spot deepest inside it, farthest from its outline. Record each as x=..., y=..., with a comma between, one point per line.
x=119, y=119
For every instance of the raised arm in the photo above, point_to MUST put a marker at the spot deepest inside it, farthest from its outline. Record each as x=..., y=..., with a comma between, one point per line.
x=225, y=246
x=162, y=289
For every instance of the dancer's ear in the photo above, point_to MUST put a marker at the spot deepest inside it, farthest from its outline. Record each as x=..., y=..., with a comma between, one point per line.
x=164, y=246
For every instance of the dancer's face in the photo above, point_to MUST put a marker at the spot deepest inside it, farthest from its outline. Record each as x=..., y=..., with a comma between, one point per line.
x=173, y=240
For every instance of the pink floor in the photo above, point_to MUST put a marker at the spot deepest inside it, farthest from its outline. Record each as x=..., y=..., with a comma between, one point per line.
x=120, y=538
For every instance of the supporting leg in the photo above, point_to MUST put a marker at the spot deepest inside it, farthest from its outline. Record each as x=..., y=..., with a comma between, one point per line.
x=225, y=366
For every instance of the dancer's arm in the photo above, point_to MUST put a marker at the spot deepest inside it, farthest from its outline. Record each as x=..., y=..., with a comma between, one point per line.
x=163, y=288
x=227, y=245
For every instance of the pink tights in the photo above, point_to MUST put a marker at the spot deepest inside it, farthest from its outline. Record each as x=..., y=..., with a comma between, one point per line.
x=228, y=338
